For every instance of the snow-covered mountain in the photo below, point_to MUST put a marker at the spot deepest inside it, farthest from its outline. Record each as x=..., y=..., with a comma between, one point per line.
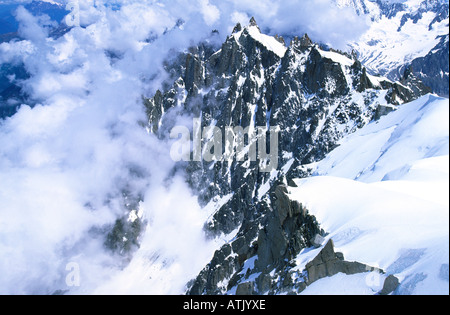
x=386, y=172
x=405, y=33
x=382, y=198
x=313, y=97
x=173, y=147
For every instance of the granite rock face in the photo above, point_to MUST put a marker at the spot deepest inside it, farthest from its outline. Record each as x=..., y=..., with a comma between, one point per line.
x=329, y=263
x=390, y=285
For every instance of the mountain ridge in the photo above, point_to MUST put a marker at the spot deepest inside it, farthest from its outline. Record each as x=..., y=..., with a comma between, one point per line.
x=146, y=155
x=313, y=96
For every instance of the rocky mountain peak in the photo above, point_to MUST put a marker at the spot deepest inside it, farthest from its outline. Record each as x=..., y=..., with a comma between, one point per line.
x=252, y=32
x=312, y=96
x=302, y=43
x=253, y=22
x=237, y=28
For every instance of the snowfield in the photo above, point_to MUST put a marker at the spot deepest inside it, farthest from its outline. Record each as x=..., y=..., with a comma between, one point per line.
x=383, y=197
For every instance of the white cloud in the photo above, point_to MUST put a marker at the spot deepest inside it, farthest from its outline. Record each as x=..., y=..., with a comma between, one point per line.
x=321, y=19
x=31, y=27
x=210, y=12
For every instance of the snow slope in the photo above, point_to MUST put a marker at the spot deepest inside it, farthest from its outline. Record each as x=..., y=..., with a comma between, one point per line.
x=268, y=41
x=383, y=197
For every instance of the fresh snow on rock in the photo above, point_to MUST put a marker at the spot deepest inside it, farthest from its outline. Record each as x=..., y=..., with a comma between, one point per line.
x=270, y=42
x=339, y=58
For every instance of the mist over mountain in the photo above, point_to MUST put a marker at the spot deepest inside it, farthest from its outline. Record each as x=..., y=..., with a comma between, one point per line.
x=224, y=147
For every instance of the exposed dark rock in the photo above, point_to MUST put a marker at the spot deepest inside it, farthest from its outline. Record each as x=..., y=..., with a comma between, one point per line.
x=291, y=183
x=287, y=229
x=222, y=266
x=328, y=263
x=302, y=43
x=194, y=74
x=264, y=283
x=321, y=70
x=383, y=110
x=123, y=238
x=286, y=232
x=361, y=82
x=253, y=22
x=245, y=288
x=390, y=285
x=237, y=28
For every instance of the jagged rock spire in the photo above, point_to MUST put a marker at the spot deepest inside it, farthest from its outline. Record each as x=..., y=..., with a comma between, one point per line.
x=408, y=72
x=302, y=43
x=280, y=39
x=305, y=40
x=237, y=28
x=244, y=73
x=253, y=23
